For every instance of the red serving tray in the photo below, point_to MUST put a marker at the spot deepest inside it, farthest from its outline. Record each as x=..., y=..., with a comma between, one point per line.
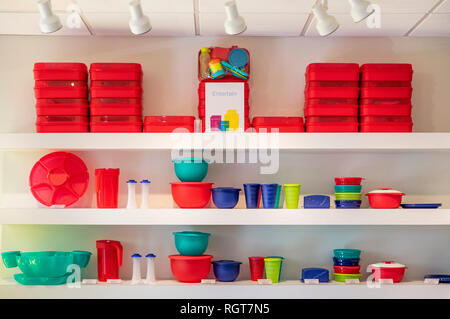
x=62, y=107
x=116, y=106
x=282, y=124
x=332, y=72
x=167, y=124
x=331, y=92
x=332, y=127
x=246, y=124
x=386, y=72
x=120, y=92
x=331, y=110
x=386, y=92
x=116, y=124
x=60, y=71
x=62, y=124
x=115, y=71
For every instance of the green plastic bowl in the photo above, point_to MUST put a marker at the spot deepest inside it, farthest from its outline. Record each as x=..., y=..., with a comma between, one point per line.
x=348, y=196
x=190, y=169
x=347, y=188
x=191, y=243
x=347, y=253
x=342, y=277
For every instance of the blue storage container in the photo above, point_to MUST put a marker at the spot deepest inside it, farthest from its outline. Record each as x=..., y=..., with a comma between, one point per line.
x=316, y=273
x=316, y=201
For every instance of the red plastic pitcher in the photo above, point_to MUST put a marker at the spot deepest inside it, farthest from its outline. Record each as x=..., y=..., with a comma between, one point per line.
x=107, y=187
x=109, y=259
x=256, y=267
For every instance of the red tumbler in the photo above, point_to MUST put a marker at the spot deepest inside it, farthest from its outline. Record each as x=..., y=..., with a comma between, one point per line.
x=109, y=259
x=256, y=267
x=107, y=187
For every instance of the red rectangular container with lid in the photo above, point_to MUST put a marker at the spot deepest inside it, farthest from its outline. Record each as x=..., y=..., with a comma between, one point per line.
x=386, y=72
x=116, y=106
x=386, y=92
x=116, y=124
x=386, y=124
x=280, y=124
x=389, y=107
x=62, y=107
x=313, y=92
x=119, y=92
x=115, y=71
x=167, y=124
x=331, y=124
x=62, y=124
x=60, y=71
x=49, y=89
x=332, y=72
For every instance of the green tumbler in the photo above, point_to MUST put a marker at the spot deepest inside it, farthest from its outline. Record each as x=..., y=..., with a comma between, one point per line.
x=273, y=269
x=291, y=195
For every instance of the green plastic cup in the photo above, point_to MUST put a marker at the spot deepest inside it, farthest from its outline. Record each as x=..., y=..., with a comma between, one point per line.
x=278, y=195
x=291, y=195
x=273, y=269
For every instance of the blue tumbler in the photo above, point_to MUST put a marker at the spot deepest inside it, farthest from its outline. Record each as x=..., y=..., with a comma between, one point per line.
x=269, y=195
x=252, y=192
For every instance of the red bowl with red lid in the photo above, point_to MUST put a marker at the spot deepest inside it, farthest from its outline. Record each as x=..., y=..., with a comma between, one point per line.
x=388, y=270
x=386, y=198
x=190, y=269
x=348, y=180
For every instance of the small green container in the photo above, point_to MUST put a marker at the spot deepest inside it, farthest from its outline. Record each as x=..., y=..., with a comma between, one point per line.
x=348, y=196
x=342, y=277
x=191, y=243
x=347, y=188
x=190, y=169
x=347, y=253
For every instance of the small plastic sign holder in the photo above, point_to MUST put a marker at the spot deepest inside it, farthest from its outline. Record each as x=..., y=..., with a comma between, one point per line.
x=114, y=281
x=386, y=282
x=89, y=281
x=208, y=281
x=431, y=281
x=352, y=281
x=314, y=281
x=264, y=281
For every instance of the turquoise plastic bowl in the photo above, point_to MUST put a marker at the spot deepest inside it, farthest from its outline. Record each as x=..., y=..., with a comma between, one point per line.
x=347, y=188
x=347, y=253
x=190, y=169
x=191, y=243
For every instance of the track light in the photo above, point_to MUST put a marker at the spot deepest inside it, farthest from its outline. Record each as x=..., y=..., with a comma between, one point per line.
x=360, y=9
x=49, y=22
x=139, y=23
x=326, y=24
x=234, y=23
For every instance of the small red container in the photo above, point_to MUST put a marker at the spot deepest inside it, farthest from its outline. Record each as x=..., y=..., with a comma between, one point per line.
x=167, y=124
x=386, y=124
x=386, y=92
x=312, y=92
x=331, y=110
x=116, y=124
x=333, y=84
x=256, y=267
x=60, y=71
x=386, y=198
x=191, y=194
x=280, y=124
x=108, y=84
x=116, y=106
x=191, y=269
x=62, y=124
x=60, y=89
x=346, y=269
x=109, y=259
x=331, y=124
x=116, y=71
x=388, y=270
x=107, y=187
x=385, y=107
x=386, y=72
x=332, y=72
x=62, y=107
x=348, y=180
x=118, y=92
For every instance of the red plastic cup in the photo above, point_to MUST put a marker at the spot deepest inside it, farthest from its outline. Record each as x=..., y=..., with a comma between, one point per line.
x=107, y=187
x=256, y=267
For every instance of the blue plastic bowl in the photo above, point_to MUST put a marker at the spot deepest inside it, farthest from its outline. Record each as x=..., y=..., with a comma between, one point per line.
x=346, y=261
x=347, y=203
x=190, y=169
x=226, y=270
x=191, y=243
x=347, y=188
x=225, y=197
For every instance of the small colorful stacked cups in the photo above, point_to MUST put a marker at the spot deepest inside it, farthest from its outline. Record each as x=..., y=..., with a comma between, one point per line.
x=348, y=192
x=346, y=264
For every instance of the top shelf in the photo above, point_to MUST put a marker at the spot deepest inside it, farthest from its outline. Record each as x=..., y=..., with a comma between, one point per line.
x=229, y=140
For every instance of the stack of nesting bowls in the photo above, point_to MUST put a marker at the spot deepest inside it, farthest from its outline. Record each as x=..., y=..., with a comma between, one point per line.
x=346, y=264
x=348, y=192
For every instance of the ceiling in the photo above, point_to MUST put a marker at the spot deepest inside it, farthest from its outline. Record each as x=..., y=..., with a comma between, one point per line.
x=205, y=17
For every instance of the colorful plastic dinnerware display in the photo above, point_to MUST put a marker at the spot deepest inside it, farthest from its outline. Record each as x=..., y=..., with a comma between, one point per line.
x=273, y=268
x=256, y=267
x=343, y=277
x=225, y=197
x=269, y=195
x=315, y=273
x=252, y=195
x=190, y=169
x=348, y=204
x=443, y=279
x=346, y=269
x=107, y=187
x=191, y=194
x=191, y=243
x=316, y=201
x=190, y=269
x=348, y=196
x=347, y=253
x=346, y=261
x=59, y=178
x=347, y=188
x=291, y=195
x=388, y=270
x=348, y=180
x=385, y=198
x=226, y=270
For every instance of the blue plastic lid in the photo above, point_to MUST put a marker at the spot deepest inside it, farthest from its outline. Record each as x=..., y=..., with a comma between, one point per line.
x=238, y=58
x=429, y=205
x=150, y=256
x=131, y=181
x=136, y=256
x=145, y=181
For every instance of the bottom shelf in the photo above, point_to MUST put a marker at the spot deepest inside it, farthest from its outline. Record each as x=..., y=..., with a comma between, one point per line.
x=170, y=289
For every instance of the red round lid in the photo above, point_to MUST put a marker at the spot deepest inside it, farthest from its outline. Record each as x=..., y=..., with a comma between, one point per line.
x=59, y=178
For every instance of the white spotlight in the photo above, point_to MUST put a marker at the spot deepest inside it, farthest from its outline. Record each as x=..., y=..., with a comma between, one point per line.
x=360, y=10
x=326, y=24
x=49, y=22
x=139, y=23
x=234, y=23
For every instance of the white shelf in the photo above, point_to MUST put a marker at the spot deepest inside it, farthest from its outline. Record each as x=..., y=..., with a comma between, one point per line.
x=283, y=141
x=170, y=289
x=176, y=216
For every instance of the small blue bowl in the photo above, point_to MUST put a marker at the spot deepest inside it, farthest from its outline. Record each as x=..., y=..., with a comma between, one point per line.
x=348, y=204
x=226, y=270
x=225, y=197
x=347, y=188
x=346, y=261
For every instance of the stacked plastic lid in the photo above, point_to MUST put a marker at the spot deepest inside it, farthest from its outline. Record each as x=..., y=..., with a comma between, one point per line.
x=61, y=97
x=280, y=124
x=386, y=98
x=348, y=192
x=331, y=97
x=116, y=97
x=346, y=264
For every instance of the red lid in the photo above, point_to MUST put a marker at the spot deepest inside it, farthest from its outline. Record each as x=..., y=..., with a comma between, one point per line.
x=115, y=71
x=369, y=119
x=331, y=119
x=332, y=72
x=115, y=119
x=386, y=72
x=169, y=120
x=58, y=83
x=121, y=67
x=59, y=178
x=41, y=66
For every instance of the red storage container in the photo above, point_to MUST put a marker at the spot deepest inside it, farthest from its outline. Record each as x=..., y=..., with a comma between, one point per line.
x=111, y=83
x=62, y=124
x=116, y=124
x=50, y=89
x=246, y=124
x=386, y=92
x=380, y=84
x=116, y=106
x=107, y=187
x=389, y=107
x=62, y=107
x=386, y=124
x=116, y=71
x=312, y=92
x=332, y=72
x=60, y=71
x=334, y=84
x=166, y=124
x=386, y=72
x=120, y=92
x=331, y=110
x=282, y=124
x=331, y=124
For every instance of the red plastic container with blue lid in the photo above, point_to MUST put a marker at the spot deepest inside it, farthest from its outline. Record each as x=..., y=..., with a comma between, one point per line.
x=116, y=124
x=279, y=124
x=332, y=72
x=116, y=106
x=386, y=72
x=167, y=124
x=115, y=71
x=62, y=107
x=62, y=124
x=60, y=71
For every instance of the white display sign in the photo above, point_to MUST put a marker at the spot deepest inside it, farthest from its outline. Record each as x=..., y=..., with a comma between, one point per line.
x=208, y=281
x=431, y=281
x=352, y=281
x=264, y=281
x=224, y=102
x=311, y=281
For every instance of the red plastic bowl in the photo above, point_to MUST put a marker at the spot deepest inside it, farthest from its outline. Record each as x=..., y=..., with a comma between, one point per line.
x=394, y=273
x=346, y=269
x=348, y=180
x=191, y=194
x=190, y=269
x=385, y=200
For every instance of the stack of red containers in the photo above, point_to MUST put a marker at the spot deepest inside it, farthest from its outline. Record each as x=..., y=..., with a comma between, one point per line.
x=61, y=97
x=386, y=98
x=331, y=97
x=116, y=97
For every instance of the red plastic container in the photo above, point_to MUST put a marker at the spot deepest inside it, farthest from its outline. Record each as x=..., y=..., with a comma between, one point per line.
x=386, y=198
x=346, y=269
x=119, y=92
x=109, y=83
x=386, y=107
x=386, y=72
x=384, y=84
x=62, y=107
x=246, y=124
x=167, y=124
x=116, y=124
x=219, y=53
x=332, y=72
x=388, y=270
x=59, y=178
x=280, y=124
x=386, y=92
x=62, y=124
x=191, y=194
x=116, y=106
x=386, y=124
x=331, y=124
x=107, y=187
x=60, y=71
x=60, y=89
x=312, y=92
x=256, y=267
x=116, y=71
x=333, y=84
x=331, y=110
x=348, y=180
x=109, y=259
x=191, y=269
